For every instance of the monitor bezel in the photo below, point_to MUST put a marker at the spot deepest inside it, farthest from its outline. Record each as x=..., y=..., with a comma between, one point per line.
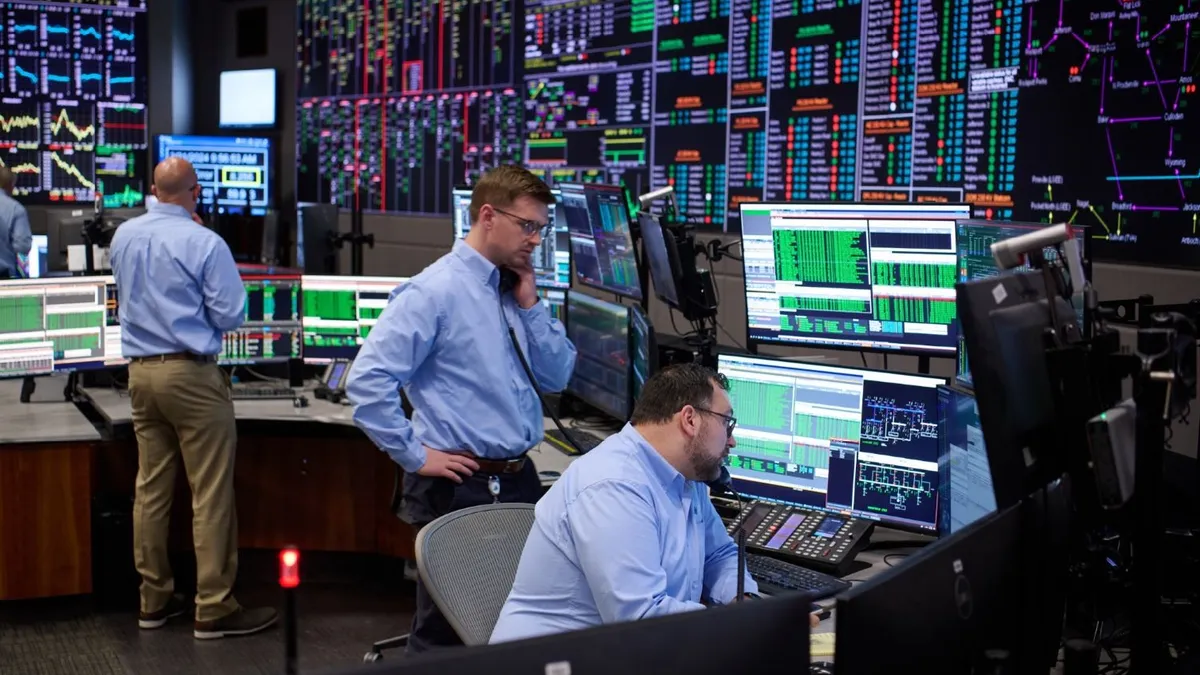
x=813, y=343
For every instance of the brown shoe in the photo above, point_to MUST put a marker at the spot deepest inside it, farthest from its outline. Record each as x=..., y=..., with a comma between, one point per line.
x=177, y=605
x=242, y=622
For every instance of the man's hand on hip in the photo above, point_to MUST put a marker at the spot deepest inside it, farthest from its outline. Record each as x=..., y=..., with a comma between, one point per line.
x=439, y=464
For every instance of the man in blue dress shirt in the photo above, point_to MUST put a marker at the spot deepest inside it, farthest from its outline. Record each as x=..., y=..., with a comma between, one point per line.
x=628, y=532
x=178, y=290
x=445, y=339
x=15, y=237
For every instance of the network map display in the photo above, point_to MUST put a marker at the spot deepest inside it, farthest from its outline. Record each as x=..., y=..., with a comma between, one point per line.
x=853, y=441
x=73, y=101
x=1039, y=111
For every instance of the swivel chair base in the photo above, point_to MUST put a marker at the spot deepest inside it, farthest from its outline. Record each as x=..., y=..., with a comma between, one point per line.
x=376, y=653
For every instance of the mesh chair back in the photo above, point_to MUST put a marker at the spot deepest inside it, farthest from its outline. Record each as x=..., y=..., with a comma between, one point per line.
x=468, y=560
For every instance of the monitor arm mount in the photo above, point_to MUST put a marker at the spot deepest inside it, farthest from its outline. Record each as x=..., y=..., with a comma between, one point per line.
x=355, y=236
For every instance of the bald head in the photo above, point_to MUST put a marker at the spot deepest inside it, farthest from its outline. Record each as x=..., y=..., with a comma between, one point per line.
x=174, y=182
x=8, y=180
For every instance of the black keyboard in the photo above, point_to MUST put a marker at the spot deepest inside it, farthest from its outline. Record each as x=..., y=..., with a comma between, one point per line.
x=586, y=442
x=244, y=393
x=776, y=577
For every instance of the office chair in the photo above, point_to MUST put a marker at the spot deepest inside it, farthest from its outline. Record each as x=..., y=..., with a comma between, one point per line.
x=468, y=560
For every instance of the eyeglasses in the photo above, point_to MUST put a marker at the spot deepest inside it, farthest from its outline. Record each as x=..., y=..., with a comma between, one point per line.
x=730, y=420
x=530, y=227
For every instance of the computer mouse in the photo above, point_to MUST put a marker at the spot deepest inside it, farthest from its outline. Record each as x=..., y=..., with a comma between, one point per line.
x=300, y=402
x=820, y=668
x=549, y=474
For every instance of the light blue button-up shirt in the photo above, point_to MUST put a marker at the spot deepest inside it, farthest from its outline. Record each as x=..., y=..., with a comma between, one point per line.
x=178, y=288
x=15, y=237
x=621, y=536
x=443, y=340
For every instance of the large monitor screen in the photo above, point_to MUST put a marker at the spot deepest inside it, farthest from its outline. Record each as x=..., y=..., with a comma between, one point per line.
x=271, y=330
x=60, y=324
x=73, y=100
x=248, y=98
x=600, y=332
x=975, y=261
x=601, y=237
x=965, y=475
x=853, y=441
x=551, y=259
x=339, y=311
x=235, y=173
x=858, y=276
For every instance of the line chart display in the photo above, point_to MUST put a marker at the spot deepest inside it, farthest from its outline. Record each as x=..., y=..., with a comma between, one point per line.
x=72, y=99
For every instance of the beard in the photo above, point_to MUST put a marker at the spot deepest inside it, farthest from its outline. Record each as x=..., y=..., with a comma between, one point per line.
x=705, y=467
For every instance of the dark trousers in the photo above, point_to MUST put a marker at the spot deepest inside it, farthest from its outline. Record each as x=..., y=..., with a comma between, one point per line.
x=426, y=499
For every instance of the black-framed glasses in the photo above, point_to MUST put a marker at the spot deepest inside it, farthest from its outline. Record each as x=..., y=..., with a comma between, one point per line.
x=530, y=227
x=730, y=420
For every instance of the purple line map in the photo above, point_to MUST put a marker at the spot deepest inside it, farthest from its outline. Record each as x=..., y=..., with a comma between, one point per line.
x=1108, y=90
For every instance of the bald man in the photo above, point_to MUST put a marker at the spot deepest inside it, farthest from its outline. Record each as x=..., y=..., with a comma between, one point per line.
x=179, y=290
x=15, y=237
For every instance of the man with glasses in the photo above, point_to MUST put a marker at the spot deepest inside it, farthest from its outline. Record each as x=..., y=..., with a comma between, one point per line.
x=447, y=338
x=628, y=531
x=179, y=290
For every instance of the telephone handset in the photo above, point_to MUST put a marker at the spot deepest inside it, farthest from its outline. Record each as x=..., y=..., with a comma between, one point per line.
x=508, y=280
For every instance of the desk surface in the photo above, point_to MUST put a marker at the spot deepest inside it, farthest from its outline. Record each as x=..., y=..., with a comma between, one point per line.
x=48, y=418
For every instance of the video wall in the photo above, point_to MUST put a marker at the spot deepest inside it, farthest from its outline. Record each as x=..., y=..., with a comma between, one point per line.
x=1045, y=111
x=73, y=100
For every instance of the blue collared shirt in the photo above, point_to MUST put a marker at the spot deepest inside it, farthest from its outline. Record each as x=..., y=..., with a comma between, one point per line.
x=621, y=536
x=178, y=287
x=443, y=340
x=15, y=237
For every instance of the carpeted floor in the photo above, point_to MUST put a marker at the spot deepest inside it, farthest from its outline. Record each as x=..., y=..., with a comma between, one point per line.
x=337, y=622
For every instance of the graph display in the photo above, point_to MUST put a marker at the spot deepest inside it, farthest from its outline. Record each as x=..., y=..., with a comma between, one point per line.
x=861, y=276
x=339, y=312
x=852, y=441
x=67, y=70
x=270, y=332
x=601, y=235
x=600, y=332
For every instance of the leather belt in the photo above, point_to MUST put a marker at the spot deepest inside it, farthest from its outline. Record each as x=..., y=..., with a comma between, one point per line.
x=175, y=356
x=494, y=467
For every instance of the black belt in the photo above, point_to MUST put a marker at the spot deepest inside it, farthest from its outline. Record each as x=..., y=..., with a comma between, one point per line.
x=175, y=356
x=499, y=466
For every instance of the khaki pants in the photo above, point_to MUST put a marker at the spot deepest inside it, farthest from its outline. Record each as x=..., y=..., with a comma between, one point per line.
x=182, y=408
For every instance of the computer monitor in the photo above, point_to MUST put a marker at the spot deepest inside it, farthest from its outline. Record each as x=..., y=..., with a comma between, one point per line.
x=600, y=332
x=965, y=479
x=338, y=313
x=942, y=609
x=664, y=274
x=1005, y=323
x=601, y=237
x=58, y=325
x=551, y=259
x=858, y=276
x=843, y=440
x=556, y=302
x=740, y=637
x=234, y=172
x=975, y=261
x=64, y=228
x=33, y=266
x=643, y=348
x=271, y=331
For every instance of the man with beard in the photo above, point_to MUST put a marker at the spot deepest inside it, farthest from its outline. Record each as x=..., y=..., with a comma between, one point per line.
x=628, y=531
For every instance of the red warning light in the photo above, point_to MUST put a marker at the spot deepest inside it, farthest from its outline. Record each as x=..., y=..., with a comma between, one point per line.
x=289, y=567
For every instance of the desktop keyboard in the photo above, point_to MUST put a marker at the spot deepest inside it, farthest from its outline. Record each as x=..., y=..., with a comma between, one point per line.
x=776, y=577
x=586, y=442
x=244, y=393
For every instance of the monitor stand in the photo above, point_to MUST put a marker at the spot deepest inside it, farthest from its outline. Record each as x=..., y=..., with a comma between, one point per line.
x=29, y=385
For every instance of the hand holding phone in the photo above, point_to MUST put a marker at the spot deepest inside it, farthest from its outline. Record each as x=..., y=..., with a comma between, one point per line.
x=524, y=285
